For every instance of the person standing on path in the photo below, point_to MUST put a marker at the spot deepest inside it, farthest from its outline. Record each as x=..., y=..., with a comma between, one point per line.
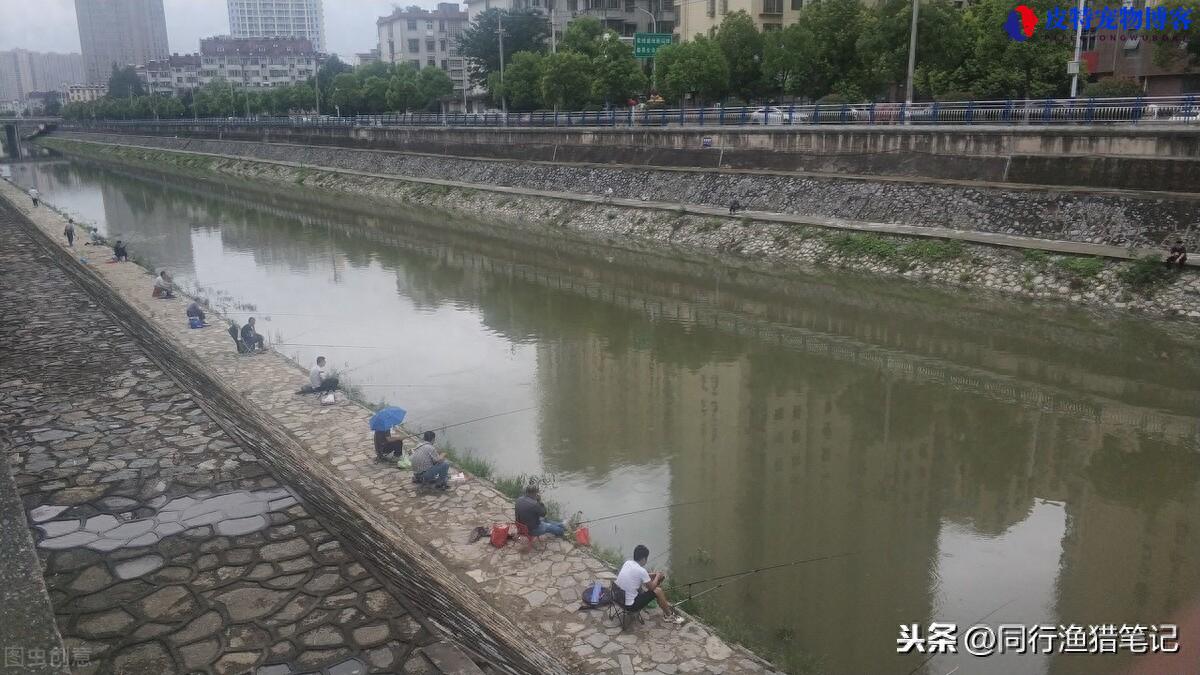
x=35, y=196
x=69, y=232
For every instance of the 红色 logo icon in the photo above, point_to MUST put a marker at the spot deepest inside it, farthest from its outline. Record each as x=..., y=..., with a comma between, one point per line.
x=1020, y=24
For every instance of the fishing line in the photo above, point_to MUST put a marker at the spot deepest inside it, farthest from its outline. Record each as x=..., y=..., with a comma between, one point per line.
x=303, y=344
x=738, y=575
x=933, y=654
x=477, y=419
x=652, y=508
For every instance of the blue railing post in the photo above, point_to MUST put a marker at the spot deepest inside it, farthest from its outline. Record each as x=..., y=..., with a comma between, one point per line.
x=742, y=117
x=846, y=109
x=1139, y=107
x=1090, y=114
x=933, y=112
x=630, y=115
x=682, y=120
x=816, y=118
x=792, y=111
x=1006, y=116
x=555, y=118
x=662, y=116
x=871, y=110
x=721, y=115
x=903, y=112
x=1189, y=104
x=701, y=116
x=1046, y=110
x=970, y=116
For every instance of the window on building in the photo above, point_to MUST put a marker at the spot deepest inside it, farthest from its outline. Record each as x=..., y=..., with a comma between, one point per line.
x=445, y=64
x=614, y=4
x=768, y=27
x=415, y=64
x=429, y=45
x=772, y=7
x=711, y=10
x=412, y=24
x=431, y=62
x=799, y=4
x=429, y=25
x=629, y=6
x=573, y=5
x=442, y=45
x=442, y=25
x=414, y=46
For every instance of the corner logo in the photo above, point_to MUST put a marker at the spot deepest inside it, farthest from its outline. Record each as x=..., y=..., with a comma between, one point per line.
x=1020, y=24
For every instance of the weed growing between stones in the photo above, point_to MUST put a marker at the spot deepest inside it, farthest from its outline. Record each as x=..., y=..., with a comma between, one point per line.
x=1145, y=274
x=470, y=462
x=774, y=646
x=932, y=250
x=862, y=245
x=1083, y=268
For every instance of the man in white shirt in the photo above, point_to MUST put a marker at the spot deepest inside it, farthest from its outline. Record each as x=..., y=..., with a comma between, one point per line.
x=639, y=587
x=35, y=196
x=317, y=382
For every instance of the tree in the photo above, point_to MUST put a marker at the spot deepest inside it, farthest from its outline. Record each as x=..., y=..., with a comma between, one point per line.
x=835, y=65
x=374, y=93
x=695, y=68
x=566, y=80
x=124, y=83
x=346, y=94
x=617, y=75
x=522, y=81
x=742, y=45
x=524, y=31
x=999, y=67
x=1180, y=45
x=433, y=85
x=402, y=89
x=1113, y=87
x=583, y=36
x=788, y=56
x=883, y=44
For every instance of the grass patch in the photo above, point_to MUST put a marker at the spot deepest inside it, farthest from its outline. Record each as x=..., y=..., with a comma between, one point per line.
x=1145, y=274
x=610, y=556
x=932, y=250
x=470, y=462
x=863, y=246
x=1036, y=257
x=1081, y=268
x=776, y=646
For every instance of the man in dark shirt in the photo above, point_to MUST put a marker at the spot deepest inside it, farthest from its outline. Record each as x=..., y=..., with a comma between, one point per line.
x=1178, y=254
x=388, y=449
x=250, y=337
x=531, y=513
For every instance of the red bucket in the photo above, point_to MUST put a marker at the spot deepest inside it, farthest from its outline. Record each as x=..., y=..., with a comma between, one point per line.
x=499, y=535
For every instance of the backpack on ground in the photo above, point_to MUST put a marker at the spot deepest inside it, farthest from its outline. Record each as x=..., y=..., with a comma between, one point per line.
x=595, y=595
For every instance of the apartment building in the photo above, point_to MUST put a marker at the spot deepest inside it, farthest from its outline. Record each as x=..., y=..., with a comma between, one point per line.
x=23, y=71
x=243, y=62
x=626, y=17
x=121, y=33
x=425, y=39
x=278, y=18
x=83, y=93
x=703, y=17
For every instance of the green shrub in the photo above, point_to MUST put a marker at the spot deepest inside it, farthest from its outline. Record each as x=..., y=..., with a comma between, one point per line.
x=1082, y=268
x=1037, y=257
x=1145, y=274
x=932, y=250
x=470, y=462
x=863, y=245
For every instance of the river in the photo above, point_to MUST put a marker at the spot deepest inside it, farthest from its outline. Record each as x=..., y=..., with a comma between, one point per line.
x=977, y=460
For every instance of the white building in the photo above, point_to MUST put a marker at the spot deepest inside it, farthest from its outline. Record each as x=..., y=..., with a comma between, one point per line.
x=23, y=71
x=243, y=62
x=82, y=93
x=426, y=39
x=626, y=17
x=278, y=18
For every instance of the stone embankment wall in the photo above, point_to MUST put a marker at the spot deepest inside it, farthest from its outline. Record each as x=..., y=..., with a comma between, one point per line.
x=1145, y=157
x=1117, y=218
x=1145, y=285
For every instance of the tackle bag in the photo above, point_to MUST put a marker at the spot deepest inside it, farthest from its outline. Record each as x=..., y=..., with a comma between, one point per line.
x=594, y=595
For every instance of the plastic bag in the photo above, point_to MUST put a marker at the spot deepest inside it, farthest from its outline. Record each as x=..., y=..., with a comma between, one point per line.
x=328, y=399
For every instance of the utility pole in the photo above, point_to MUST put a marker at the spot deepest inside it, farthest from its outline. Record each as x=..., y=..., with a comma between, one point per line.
x=500, y=34
x=1078, y=44
x=653, y=66
x=912, y=53
x=553, y=43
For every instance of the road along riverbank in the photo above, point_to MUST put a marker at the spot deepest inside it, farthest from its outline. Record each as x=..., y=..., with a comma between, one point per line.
x=490, y=599
x=1097, y=275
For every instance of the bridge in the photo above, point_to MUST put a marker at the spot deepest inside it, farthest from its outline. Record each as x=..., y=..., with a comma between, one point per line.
x=17, y=129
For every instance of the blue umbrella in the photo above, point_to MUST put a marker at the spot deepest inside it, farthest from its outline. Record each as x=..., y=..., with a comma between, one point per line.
x=387, y=418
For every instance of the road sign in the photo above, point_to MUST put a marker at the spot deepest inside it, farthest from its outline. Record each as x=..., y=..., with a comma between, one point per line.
x=646, y=44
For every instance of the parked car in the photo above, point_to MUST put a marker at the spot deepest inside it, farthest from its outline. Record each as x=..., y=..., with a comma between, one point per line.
x=769, y=115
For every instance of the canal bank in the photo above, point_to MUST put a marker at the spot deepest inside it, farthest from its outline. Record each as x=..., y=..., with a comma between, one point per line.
x=1084, y=273
x=418, y=540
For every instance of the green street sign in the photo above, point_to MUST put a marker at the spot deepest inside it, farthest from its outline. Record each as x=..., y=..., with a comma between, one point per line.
x=646, y=44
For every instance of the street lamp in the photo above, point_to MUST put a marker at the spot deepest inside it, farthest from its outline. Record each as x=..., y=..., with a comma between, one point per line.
x=912, y=53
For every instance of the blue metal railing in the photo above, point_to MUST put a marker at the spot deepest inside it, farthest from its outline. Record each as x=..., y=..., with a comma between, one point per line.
x=1090, y=111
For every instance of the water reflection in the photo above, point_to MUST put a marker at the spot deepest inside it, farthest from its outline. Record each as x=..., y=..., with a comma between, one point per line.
x=978, y=455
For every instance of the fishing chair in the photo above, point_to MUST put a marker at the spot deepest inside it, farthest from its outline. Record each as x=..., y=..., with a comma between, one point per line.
x=624, y=616
x=529, y=539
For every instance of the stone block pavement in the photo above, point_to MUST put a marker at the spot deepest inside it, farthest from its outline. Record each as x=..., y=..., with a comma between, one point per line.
x=164, y=546
x=539, y=591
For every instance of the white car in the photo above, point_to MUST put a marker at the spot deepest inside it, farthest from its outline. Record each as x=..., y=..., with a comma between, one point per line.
x=775, y=115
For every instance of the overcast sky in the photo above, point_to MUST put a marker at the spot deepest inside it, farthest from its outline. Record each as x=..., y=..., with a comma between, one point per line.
x=49, y=25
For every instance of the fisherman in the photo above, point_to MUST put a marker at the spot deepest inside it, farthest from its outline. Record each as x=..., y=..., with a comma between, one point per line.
x=195, y=315
x=734, y=207
x=1178, y=254
x=162, y=286
x=531, y=513
x=119, y=252
x=317, y=382
x=69, y=232
x=250, y=337
x=638, y=587
x=387, y=449
x=35, y=196
x=429, y=465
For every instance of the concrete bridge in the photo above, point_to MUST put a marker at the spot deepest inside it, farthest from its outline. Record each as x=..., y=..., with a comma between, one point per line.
x=18, y=129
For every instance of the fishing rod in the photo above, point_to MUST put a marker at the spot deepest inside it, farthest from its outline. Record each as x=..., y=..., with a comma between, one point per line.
x=738, y=575
x=652, y=508
x=933, y=653
x=477, y=419
x=303, y=344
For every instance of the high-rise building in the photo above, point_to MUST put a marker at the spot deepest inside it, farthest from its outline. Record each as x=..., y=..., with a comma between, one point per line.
x=121, y=33
x=425, y=39
x=23, y=71
x=278, y=18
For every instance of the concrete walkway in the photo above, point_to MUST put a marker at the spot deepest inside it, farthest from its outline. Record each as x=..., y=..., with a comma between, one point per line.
x=166, y=546
x=538, y=591
x=969, y=236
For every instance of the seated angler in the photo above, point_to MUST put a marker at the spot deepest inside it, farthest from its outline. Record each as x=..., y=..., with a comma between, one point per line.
x=637, y=588
x=531, y=513
x=162, y=286
x=317, y=380
x=430, y=467
x=250, y=337
x=195, y=316
x=120, y=253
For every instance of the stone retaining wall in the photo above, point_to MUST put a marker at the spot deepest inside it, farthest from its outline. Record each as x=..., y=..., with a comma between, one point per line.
x=1117, y=218
x=1033, y=274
